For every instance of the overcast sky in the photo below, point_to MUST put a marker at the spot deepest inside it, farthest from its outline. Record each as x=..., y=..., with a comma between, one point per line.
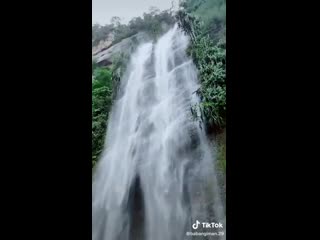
x=103, y=10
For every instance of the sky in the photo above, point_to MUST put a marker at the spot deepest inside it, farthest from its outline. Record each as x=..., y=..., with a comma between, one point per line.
x=103, y=10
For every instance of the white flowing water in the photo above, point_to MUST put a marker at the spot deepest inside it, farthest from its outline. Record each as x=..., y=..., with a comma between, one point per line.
x=156, y=176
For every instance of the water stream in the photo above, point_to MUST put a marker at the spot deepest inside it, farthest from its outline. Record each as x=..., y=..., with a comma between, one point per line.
x=156, y=176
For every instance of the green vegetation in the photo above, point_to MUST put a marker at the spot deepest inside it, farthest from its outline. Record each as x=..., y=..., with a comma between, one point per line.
x=204, y=22
x=212, y=14
x=105, y=84
x=102, y=89
x=206, y=9
x=211, y=63
x=209, y=55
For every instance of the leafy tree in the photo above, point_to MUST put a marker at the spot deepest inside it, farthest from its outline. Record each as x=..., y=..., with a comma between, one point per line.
x=115, y=21
x=154, y=11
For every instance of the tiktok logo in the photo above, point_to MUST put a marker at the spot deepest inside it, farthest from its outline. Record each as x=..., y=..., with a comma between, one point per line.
x=207, y=225
x=195, y=225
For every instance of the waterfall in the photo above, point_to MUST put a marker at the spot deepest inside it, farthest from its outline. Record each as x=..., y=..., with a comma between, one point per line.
x=156, y=176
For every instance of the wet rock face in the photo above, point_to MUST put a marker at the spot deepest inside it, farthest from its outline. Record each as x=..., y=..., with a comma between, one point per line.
x=103, y=55
x=103, y=44
x=136, y=208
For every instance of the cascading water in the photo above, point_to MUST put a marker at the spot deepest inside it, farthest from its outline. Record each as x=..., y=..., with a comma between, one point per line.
x=156, y=176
